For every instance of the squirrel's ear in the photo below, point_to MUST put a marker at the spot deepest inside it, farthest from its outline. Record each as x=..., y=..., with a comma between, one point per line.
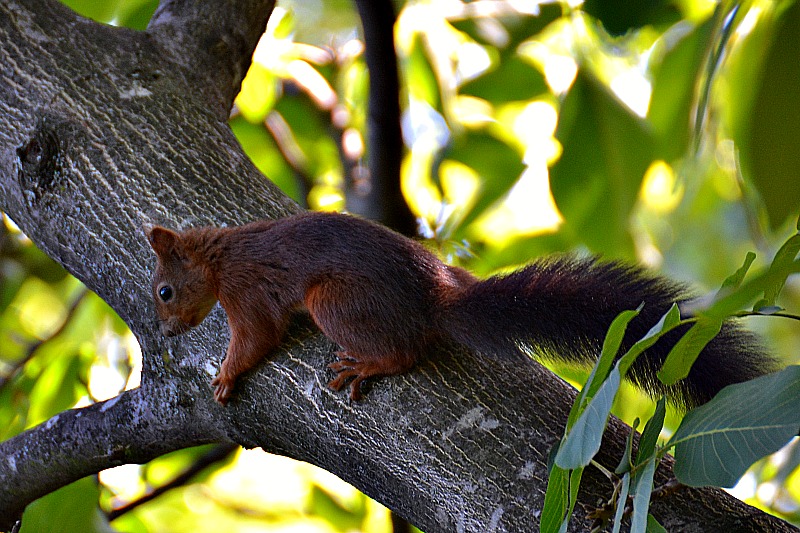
x=165, y=242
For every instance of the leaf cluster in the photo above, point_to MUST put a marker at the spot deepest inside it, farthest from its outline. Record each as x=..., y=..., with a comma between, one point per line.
x=716, y=442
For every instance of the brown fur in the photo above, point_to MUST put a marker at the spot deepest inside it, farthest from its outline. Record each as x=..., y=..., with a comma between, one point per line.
x=386, y=300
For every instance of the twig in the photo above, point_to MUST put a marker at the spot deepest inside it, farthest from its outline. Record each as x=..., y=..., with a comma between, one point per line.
x=219, y=453
x=32, y=348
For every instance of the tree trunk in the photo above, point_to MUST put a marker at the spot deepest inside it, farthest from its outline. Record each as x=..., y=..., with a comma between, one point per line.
x=103, y=130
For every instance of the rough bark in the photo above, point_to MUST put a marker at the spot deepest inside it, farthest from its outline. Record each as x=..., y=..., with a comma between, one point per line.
x=103, y=130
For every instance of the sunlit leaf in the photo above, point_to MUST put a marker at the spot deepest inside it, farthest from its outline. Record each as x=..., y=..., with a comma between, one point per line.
x=321, y=503
x=556, y=500
x=512, y=79
x=129, y=13
x=137, y=16
x=683, y=355
x=258, y=93
x=673, y=100
x=422, y=83
x=498, y=165
x=718, y=441
x=774, y=133
x=507, y=32
x=596, y=182
x=100, y=11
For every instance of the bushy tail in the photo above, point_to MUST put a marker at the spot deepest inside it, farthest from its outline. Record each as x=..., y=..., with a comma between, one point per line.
x=560, y=309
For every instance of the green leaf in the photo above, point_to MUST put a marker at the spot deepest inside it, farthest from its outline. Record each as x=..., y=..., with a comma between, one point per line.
x=622, y=500
x=498, y=165
x=574, y=485
x=560, y=497
x=510, y=80
x=647, y=444
x=320, y=503
x=626, y=463
x=622, y=16
x=507, y=32
x=667, y=322
x=585, y=425
x=642, y=488
x=99, y=11
x=674, y=87
x=735, y=280
x=262, y=150
x=57, y=388
x=66, y=510
x=556, y=500
x=611, y=344
x=596, y=182
x=749, y=290
x=136, y=14
x=422, y=82
x=770, y=147
x=718, y=441
x=687, y=349
x=653, y=526
x=782, y=261
x=583, y=440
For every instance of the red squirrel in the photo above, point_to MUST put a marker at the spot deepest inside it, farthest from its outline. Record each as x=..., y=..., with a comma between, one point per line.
x=387, y=301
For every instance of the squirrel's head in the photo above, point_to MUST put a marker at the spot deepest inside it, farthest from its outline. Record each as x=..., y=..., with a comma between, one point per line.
x=181, y=290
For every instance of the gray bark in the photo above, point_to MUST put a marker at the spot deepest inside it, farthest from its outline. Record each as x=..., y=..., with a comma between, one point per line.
x=103, y=130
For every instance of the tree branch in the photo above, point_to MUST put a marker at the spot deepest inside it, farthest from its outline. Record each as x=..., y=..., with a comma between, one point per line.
x=110, y=134
x=212, y=41
x=80, y=442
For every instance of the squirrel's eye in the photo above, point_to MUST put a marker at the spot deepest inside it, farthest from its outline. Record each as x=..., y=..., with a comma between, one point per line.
x=165, y=293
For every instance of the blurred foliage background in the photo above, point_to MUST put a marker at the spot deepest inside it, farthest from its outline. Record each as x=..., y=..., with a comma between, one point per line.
x=663, y=132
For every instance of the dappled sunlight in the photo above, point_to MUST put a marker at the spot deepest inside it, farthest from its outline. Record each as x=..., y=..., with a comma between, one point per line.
x=117, y=364
x=633, y=88
x=551, y=55
x=40, y=309
x=660, y=189
x=529, y=209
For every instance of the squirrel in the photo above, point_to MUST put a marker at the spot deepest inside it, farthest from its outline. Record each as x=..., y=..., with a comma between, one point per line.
x=387, y=300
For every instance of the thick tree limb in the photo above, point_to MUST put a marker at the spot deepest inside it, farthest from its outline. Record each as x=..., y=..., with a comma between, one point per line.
x=103, y=129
